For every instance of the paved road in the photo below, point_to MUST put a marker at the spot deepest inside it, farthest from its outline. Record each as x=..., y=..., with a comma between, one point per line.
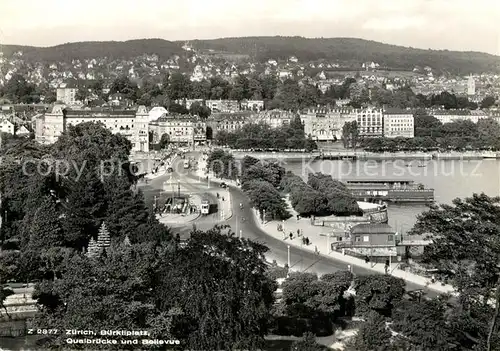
x=278, y=250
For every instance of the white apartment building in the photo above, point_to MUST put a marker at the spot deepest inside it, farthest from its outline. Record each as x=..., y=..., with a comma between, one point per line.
x=370, y=122
x=133, y=124
x=322, y=124
x=448, y=116
x=252, y=105
x=399, y=124
x=274, y=118
x=66, y=94
x=180, y=129
x=223, y=105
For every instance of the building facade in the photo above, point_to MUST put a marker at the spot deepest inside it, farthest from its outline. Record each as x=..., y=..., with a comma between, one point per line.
x=399, y=124
x=229, y=122
x=274, y=118
x=448, y=116
x=370, y=122
x=323, y=124
x=181, y=130
x=223, y=105
x=252, y=105
x=373, y=240
x=66, y=93
x=133, y=124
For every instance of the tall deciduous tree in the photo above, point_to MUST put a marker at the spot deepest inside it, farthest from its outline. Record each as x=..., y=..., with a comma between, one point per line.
x=350, y=134
x=219, y=283
x=466, y=244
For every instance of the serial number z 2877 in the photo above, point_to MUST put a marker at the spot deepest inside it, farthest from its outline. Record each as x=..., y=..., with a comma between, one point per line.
x=43, y=331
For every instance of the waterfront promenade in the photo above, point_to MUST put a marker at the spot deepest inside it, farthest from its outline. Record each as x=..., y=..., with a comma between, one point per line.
x=364, y=155
x=319, y=242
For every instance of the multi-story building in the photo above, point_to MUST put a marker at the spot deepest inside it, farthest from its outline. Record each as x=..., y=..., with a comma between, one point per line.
x=448, y=116
x=399, y=123
x=370, y=122
x=223, y=105
x=188, y=102
x=131, y=123
x=252, y=105
x=323, y=124
x=66, y=93
x=229, y=122
x=274, y=118
x=181, y=130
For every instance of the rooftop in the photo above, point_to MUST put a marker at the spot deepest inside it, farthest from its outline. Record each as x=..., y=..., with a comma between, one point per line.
x=369, y=228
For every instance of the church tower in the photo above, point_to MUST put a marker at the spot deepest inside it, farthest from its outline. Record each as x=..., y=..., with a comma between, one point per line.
x=471, y=86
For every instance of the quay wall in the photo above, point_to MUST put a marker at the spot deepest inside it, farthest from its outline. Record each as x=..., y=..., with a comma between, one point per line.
x=362, y=155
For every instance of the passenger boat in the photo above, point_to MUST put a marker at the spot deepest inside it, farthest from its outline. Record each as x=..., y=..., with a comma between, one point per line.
x=389, y=190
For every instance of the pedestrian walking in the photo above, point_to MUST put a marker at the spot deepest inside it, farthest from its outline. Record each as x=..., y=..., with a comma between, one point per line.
x=367, y=259
x=349, y=268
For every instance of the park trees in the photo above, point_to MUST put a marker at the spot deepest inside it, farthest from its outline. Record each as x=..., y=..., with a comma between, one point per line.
x=222, y=164
x=310, y=304
x=466, y=236
x=125, y=86
x=373, y=334
x=307, y=343
x=350, y=134
x=219, y=284
x=377, y=293
x=424, y=325
x=266, y=198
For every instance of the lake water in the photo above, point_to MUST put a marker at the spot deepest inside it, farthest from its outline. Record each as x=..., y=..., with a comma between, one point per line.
x=449, y=178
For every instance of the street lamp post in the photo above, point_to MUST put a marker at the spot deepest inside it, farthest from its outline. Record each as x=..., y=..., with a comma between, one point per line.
x=178, y=188
x=241, y=234
x=288, y=247
x=284, y=231
x=327, y=243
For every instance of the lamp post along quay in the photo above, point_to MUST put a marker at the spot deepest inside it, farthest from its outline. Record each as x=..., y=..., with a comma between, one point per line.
x=288, y=249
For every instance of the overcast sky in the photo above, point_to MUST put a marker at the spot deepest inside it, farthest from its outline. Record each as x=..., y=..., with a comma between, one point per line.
x=437, y=24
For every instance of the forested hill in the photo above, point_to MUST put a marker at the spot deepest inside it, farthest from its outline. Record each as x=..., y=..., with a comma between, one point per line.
x=96, y=49
x=352, y=50
x=346, y=51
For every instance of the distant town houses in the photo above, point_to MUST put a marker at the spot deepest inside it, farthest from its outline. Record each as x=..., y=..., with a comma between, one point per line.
x=188, y=102
x=252, y=105
x=448, y=116
x=7, y=126
x=223, y=105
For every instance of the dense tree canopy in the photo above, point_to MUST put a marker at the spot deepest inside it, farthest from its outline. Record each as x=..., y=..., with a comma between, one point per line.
x=320, y=196
x=465, y=248
x=263, y=137
x=58, y=197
